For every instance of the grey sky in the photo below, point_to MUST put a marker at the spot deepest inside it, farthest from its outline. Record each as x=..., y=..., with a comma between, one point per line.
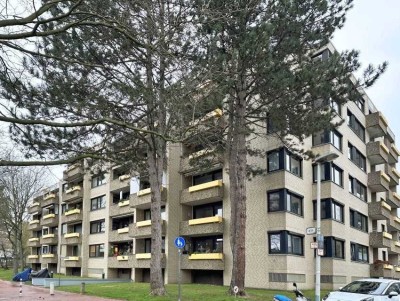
x=373, y=27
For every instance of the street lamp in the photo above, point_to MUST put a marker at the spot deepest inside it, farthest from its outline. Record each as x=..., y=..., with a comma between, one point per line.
x=319, y=160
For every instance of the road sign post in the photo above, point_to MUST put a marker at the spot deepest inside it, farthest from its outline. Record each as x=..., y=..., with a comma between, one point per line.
x=179, y=244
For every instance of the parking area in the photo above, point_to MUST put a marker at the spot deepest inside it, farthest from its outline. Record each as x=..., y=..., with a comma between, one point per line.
x=11, y=291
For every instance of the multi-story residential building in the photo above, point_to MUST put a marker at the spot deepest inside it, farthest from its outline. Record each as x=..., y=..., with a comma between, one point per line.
x=104, y=224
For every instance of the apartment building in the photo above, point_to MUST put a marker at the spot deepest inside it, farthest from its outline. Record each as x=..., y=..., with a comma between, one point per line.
x=98, y=222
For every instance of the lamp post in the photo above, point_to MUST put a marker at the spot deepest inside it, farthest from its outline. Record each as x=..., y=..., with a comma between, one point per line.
x=319, y=160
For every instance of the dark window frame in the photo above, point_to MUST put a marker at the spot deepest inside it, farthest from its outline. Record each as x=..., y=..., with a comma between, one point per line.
x=333, y=137
x=330, y=245
x=98, y=203
x=355, y=125
x=358, y=189
x=100, y=226
x=357, y=157
x=283, y=201
x=358, y=221
x=98, y=180
x=286, y=243
x=328, y=210
x=328, y=170
x=355, y=252
x=96, y=251
x=285, y=159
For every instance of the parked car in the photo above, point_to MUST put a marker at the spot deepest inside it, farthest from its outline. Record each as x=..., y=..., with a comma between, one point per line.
x=369, y=289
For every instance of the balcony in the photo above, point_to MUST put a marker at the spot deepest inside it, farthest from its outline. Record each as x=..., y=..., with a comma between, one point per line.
x=142, y=229
x=120, y=235
x=123, y=207
x=34, y=208
x=120, y=262
x=73, y=194
x=73, y=173
x=72, y=262
x=202, y=226
x=49, y=239
x=393, y=199
x=142, y=199
x=49, y=258
x=380, y=239
x=71, y=239
x=394, y=154
x=394, y=175
x=376, y=125
x=34, y=225
x=121, y=183
x=393, y=224
x=378, y=181
x=33, y=259
x=201, y=160
x=142, y=261
x=381, y=270
x=50, y=220
x=379, y=211
x=204, y=261
x=71, y=216
x=204, y=193
x=49, y=199
x=395, y=248
x=377, y=152
x=34, y=242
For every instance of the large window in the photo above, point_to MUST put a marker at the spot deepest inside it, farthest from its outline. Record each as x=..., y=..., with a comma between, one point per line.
x=330, y=209
x=122, y=222
x=98, y=203
x=359, y=252
x=283, y=159
x=334, y=247
x=207, y=177
x=208, y=244
x=357, y=157
x=355, y=125
x=98, y=180
x=285, y=200
x=357, y=188
x=358, y=220
x=333, y=137
x=285, y=242
x=96, y=250
x=329, y=172
x=360, y=103
x=97, y=226
x=207, y=210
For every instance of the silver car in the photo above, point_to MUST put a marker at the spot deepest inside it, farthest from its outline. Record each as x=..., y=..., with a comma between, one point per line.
x=367, y=290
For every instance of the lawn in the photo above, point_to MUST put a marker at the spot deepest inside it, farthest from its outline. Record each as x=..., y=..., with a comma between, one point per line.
x=193, y=292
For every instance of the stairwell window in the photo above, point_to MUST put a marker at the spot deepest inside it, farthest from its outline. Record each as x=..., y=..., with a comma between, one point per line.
x=283, y=159
x=285, y=242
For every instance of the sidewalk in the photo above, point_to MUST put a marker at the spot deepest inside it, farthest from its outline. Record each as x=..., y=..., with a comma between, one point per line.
x=9, y=291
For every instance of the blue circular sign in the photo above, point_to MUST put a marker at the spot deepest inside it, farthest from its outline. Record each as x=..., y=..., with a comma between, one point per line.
x=180, y=242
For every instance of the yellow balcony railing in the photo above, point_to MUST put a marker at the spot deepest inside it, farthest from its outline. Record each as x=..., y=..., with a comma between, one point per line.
x=34, y=204
x=72, y=258
x=49, y=196
x=385, y=176
x=388, y=266
x=33, y=239
x=35, y=221
x=205, y=220
x=216, y=183
x=72, y=189
x=123, y=230
x=396, y=172
x=123, y=258
x=47, y=216
x=145, y=223
x=33, y=256
x=384, y=147
x=124, y=177
x=387, y=235
x=48, y=255
x=143, y=192
x=200, y=153
x=51, y=235
x=69, y=235
x=123, y=203
x=397, y=243
x=396, y=195
x=207, y=256
x=143, y=256
x=73, y=211
x=386, y=205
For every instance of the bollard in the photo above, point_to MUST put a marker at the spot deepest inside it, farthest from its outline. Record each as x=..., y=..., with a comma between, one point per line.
x=51, y=288
x=82, y=288
x=51, y=274
x=20, y=287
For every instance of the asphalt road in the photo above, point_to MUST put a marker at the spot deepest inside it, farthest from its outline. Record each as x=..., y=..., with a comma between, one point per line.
x=11, y=291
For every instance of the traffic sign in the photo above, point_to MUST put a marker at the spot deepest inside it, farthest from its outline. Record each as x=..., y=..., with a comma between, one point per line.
x=320, y=252
x=314, y=245
x=180, y=242
x=311, y=230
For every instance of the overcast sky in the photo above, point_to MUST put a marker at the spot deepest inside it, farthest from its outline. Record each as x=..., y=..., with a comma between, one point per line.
x=373, y=27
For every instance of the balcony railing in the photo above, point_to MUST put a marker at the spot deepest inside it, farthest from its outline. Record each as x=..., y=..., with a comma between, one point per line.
x=72, y=194
x=376, y=125
x=203, y=193
x=34, y=225
x=202, y=226
x=142, y=229
x=71, y=239
x=50, y=220
x=206, y=261
x=379, y=210
x=73, y=215
x=121, y=183
x=380, y=240
x=72, y=261
x=122, y=207
x=49, y=239
x=34, y=208
x=142, y=199
x=378, y=181
x=377, y=152
x=73, y=172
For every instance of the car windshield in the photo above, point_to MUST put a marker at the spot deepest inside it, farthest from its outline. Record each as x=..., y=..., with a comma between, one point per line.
x=365, y=287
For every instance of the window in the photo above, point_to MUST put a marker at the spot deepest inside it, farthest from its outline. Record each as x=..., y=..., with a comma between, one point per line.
x=98, y=180
x=355, y=125
x=283, y=159
x=96, y=250
x=123, y=222
x=147, y=245
x=147, y=214
x=325, y=104
x=285, y=200
x=207, y=177
x=360, y=103
x=330, y=209
x=285, y=242
x=208, y=244
x=322, y=56
x=97, y=226
x=358, y=220
x=357, y=188
x=359, y=252
x=120, y=196
x=357, y=157
x=333, y=137
x=98, y=203
x=207, y=210
x=334, y=247
x=64, y=228
x=329, y=172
